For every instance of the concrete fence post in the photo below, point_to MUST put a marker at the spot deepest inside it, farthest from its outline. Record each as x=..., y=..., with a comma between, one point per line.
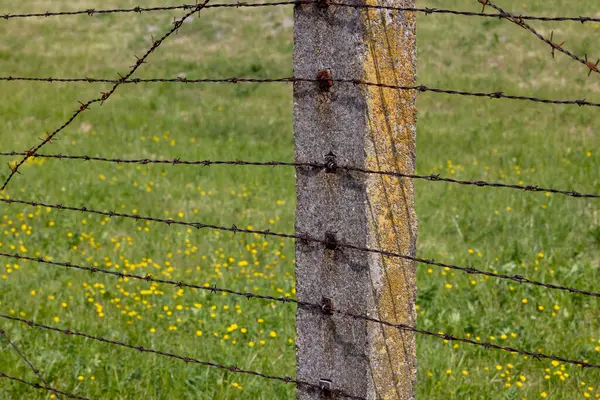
x=349, y=124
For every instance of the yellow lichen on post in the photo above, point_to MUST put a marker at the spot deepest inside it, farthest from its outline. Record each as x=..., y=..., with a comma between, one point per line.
x=391, y=145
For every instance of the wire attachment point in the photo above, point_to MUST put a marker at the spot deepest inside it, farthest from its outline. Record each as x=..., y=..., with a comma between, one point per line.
x=327, y=306
x=330, y=163
x=325, y=79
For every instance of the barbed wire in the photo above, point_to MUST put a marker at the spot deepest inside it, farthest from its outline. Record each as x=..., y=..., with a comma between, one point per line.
x=326, y=310
x=235, y=80
x=149, y=278
x=323, y=166
x=232, y=368
x=187, y=360
x=105, y=95
x=305, y=238
x=38, y=386
x=25, y=359
x=593, y=67
x=139, y=10
x=178, y=284
x=428, y=11
x=424, y=10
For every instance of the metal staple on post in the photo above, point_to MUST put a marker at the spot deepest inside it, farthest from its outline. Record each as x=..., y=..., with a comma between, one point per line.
x=372, y=127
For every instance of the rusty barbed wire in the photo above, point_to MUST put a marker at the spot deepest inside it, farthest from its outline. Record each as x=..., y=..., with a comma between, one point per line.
x=38, y=386
x=25, y=359
x=105, y=95
x=428, y=11
x=235, y=80
x=487, y=345
x=323, y=166
x=424, y=10
x=592, y=67
x=139, y=10
x=187, y=360
x=179, y=284
x=306, y=239
x=325, y=311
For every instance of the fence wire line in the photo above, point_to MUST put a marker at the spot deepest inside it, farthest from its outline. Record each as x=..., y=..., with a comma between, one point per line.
x=592, y=67
x=517, y=20
x=207, y=163
x=234, y=80
x=24, y=358
x=187, y=360
x=323, y=310
x=326, y=310
x=106, y=95
x=424, y=10
x=307, y=239
x=38, y=386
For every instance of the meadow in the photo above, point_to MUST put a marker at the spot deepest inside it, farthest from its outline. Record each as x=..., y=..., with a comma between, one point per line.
x=546, y=237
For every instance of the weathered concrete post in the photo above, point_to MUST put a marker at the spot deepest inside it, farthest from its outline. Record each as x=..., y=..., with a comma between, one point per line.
x=375, y=128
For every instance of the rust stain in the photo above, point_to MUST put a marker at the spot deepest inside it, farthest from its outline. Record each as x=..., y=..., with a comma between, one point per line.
x=391, y=145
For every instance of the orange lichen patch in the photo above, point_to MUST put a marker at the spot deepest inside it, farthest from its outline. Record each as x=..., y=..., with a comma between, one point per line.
x=390, y=59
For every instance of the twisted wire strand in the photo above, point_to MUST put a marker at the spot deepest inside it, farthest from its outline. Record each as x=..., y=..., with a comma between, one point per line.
x=235, y=80
x=305, y=238
x=424, y=10
x=322, y=166
x=287, y=379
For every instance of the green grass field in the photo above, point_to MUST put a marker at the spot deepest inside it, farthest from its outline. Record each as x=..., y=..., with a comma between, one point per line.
x=546, y=237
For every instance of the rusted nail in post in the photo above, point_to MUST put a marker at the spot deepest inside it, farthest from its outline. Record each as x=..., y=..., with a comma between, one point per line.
x=330, y=163
x=325, y=79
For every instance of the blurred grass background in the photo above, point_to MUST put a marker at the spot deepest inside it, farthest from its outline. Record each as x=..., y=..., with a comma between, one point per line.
x=545, y=237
